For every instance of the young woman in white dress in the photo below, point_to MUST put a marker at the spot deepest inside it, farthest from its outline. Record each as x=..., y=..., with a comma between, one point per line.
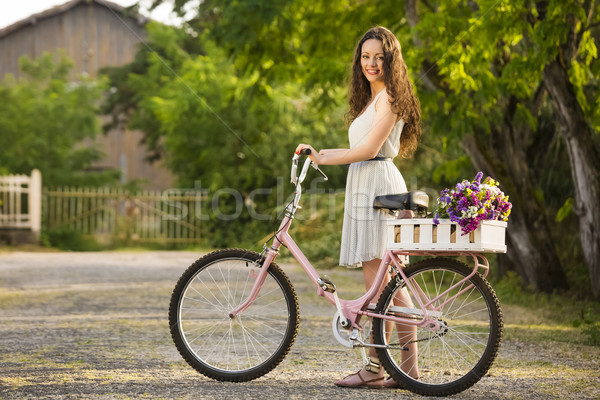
x=385, y=121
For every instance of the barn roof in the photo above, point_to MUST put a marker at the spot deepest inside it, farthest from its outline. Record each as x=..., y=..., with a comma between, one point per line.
x=60, y=9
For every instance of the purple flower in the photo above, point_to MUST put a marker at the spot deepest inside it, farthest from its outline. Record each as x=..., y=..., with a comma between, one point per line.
x=478, y=177
x=457, y=204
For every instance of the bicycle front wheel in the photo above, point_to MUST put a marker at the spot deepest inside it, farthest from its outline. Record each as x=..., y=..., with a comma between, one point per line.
x=457, y=353
x=248, y=345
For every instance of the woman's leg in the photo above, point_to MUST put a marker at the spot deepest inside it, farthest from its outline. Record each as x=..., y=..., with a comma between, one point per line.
x=368, y=373
x=370, y=269
x=406, y=333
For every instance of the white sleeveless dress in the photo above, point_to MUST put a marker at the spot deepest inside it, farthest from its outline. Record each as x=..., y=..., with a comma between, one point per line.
x=364, y=228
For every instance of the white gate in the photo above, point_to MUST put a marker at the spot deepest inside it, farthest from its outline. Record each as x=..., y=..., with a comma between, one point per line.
x=21, y=203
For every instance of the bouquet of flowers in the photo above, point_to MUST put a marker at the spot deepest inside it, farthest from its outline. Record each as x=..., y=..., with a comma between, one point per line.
x=471, y=202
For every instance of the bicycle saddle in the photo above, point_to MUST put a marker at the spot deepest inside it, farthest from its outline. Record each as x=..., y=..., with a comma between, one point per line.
x=416, y=201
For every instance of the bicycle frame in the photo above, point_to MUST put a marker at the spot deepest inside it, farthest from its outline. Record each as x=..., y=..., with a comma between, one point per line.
x=353, y=310
x=234, y=314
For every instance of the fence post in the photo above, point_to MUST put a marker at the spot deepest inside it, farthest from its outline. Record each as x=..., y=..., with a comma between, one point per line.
x=35, y=203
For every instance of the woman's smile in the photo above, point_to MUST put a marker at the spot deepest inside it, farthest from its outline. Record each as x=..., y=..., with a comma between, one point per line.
x=372, y=60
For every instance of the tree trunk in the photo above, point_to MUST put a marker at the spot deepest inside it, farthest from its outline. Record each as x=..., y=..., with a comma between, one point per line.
x=584, y=165
x=531, y=249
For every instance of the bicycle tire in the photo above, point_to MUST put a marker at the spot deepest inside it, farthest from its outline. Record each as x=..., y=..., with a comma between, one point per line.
x=237, y=349
x=457, y=356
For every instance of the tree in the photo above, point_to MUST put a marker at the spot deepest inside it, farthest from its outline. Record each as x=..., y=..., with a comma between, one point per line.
x=504, y=69
x=492, y=77
x=44, y=120
x=485, y=107
x=571, y=70
x=217, y=127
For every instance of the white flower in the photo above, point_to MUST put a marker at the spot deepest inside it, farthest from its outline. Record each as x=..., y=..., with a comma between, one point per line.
x=471, y=212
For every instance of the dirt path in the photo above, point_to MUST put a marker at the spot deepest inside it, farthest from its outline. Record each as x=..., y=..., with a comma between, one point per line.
x=94, y=325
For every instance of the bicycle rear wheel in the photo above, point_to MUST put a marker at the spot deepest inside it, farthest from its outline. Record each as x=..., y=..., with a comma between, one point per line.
x=232, y=349
x=455, y=356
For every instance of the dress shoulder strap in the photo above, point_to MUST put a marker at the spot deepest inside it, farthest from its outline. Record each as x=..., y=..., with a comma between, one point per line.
x=377, y=98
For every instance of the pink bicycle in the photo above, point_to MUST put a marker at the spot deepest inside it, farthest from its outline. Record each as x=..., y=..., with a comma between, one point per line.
x=234, y=313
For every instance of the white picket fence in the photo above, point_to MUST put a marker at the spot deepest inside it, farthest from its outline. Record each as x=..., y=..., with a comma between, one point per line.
x=113, y=213
x=21, y=202
x=109, y=213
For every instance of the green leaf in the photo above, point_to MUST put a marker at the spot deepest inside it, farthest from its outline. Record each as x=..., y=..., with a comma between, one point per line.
x=565, y=210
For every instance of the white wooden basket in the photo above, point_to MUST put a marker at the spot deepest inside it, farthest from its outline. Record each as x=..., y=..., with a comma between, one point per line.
x=422, y=234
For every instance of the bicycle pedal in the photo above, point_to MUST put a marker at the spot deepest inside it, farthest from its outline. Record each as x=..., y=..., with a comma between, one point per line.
x=326, y=285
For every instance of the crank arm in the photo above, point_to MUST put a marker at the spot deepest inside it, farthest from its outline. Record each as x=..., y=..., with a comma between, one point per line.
x=358, y=342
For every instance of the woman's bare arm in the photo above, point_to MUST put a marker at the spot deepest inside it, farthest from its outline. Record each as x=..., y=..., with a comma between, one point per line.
x=385, y=120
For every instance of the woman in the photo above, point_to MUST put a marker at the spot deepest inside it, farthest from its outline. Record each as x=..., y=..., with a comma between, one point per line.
x=385, y=116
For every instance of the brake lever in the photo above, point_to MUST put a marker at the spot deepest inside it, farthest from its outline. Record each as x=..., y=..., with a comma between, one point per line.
x=306, y=152
x=315, y=166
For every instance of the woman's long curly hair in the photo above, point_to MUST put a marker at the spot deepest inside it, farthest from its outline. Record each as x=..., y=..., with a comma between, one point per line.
x=398, y=86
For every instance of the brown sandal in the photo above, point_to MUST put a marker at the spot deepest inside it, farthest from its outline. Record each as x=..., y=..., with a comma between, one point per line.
x=377, y=382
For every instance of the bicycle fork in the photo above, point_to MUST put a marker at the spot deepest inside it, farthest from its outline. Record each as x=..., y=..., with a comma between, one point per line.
x=269, y=255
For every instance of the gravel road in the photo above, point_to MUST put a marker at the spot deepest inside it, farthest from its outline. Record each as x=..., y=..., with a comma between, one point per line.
x=94, y=325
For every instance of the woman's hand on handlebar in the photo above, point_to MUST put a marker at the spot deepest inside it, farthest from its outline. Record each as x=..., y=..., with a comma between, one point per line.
x=314, y=155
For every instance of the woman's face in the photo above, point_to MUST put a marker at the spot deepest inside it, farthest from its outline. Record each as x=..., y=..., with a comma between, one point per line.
x=371, y=60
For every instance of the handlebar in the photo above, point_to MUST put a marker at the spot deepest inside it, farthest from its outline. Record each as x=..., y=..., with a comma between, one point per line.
x=298, y=179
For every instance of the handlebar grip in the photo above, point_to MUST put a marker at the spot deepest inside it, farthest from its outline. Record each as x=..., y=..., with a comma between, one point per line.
x=305, y=152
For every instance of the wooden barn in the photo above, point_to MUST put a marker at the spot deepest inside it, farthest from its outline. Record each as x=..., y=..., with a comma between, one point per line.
x=93, y=34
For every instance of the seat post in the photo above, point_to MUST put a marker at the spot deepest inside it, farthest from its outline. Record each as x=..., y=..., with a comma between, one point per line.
x=405, y=214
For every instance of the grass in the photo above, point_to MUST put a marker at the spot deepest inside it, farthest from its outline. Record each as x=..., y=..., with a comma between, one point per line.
x=30, y=248
x=554, y=317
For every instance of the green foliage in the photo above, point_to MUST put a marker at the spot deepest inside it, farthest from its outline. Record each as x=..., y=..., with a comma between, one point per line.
x=218, y=132
x=226, y=103
x=510, y=289
x=592, y=331
x=318, y=226
x=565, y=210
x=452, y=170
x=68, y=240
x=489, y=61
x=590, y=324
x=45, y=116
